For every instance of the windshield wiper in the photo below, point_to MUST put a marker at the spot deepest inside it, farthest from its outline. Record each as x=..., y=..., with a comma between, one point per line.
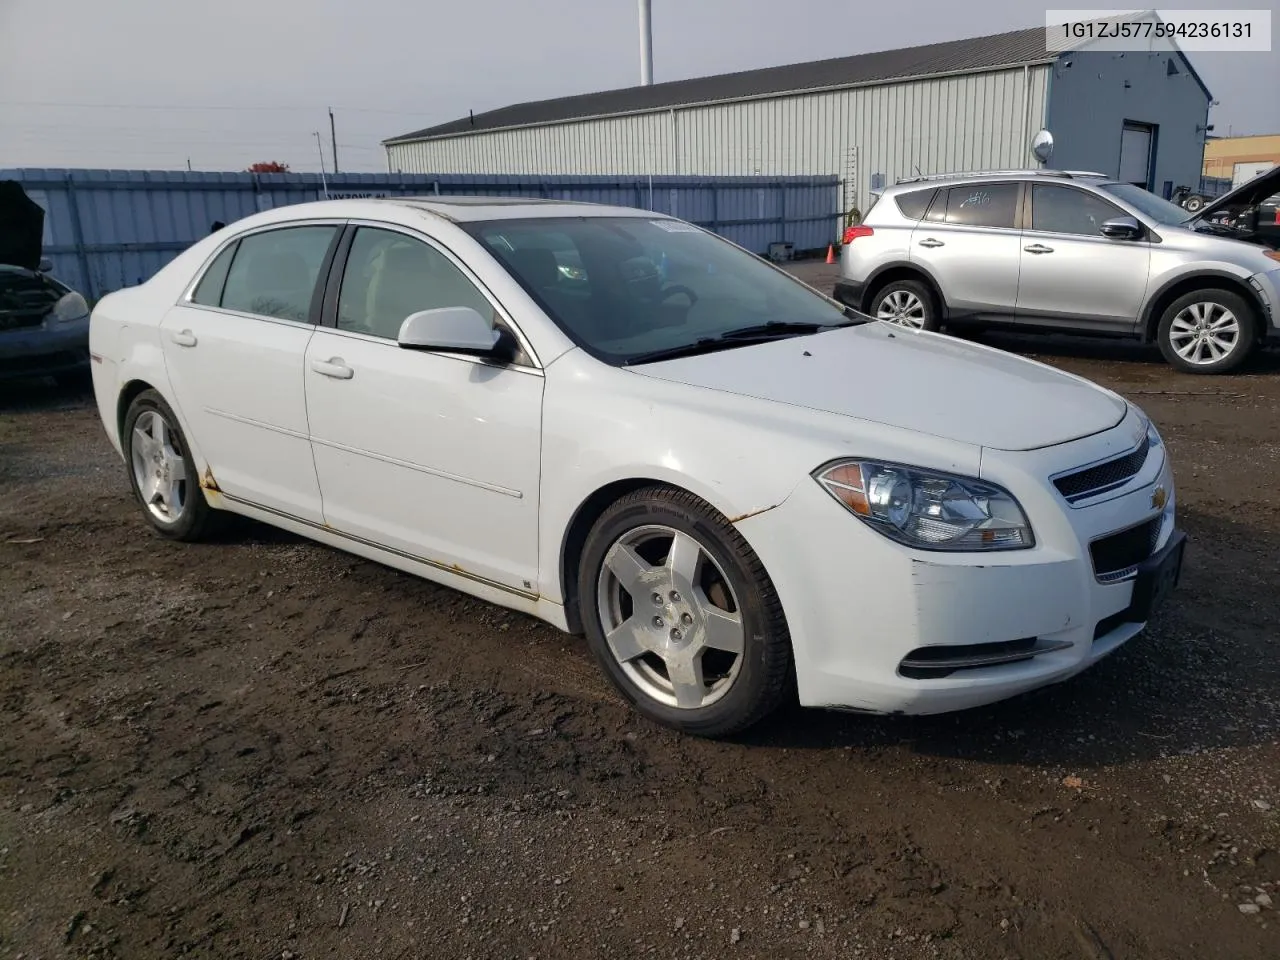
x=742, y=336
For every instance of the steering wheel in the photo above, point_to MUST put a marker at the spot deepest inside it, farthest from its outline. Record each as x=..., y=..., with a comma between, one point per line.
x=677, y=288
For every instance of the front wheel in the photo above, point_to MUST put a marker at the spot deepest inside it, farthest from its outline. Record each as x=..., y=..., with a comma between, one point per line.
x=161, y=472
x=1207, y=331
x=682, y=616
x=908, y=303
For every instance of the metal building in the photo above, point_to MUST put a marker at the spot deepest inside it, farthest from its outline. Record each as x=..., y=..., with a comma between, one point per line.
x=869, y=119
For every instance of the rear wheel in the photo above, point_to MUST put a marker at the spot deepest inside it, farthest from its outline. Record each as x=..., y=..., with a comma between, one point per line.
x=161, y=472
x=681, y=614
x=1208, y=331
x=908, y=303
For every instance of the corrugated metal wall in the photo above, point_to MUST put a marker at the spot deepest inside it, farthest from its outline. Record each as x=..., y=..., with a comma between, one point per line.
x=864, y=134
x=107, y=229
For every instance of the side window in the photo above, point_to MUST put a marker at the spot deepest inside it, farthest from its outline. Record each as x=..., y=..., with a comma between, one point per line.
x=914, y=204
x=390, y=276
x=1057, y=209
x=274, y=273
x=983, y=205
x=208, y=291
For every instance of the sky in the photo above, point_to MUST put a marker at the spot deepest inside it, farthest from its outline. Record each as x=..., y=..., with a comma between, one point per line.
x=158, y=84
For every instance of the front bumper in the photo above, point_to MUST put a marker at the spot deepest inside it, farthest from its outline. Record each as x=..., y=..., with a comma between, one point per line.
x=859, y=605
x=44, y=350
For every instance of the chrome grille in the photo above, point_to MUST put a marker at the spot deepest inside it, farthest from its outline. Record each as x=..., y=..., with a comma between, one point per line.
x=1105, y=476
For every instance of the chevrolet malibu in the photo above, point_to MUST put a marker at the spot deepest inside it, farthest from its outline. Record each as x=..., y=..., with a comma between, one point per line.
x=738, y=490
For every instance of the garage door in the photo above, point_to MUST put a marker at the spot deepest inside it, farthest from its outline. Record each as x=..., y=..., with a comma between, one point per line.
x=1135, y=154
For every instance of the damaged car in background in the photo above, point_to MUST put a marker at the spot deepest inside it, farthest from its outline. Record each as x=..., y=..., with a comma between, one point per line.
x=44, y=324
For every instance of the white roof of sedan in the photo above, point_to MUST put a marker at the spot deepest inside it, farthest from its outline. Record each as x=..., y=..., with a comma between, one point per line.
x=456, y=209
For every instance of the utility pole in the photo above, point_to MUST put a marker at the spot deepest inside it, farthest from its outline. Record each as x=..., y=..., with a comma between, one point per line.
x=333, y=136
x=320, y=150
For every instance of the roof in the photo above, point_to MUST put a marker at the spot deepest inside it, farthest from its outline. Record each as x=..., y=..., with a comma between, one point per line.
x=457, y=209
x=1013, y=49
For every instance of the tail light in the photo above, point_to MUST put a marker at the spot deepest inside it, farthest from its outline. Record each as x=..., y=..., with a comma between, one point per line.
x=853, y=233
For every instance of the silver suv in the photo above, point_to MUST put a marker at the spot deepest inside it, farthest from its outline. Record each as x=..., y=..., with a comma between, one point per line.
x=1072, y=252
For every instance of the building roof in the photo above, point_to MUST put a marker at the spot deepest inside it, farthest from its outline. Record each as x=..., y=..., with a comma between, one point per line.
x=1012, y=49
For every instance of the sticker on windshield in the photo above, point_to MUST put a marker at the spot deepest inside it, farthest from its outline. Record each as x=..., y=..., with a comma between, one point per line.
x=675, y=226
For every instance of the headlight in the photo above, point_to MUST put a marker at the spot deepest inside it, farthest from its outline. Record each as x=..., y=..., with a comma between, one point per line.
x=70, y=307
x=928, y=510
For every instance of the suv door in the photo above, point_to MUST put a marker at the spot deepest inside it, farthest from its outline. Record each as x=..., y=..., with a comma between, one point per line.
x=969, y=242
x=434, y=455
x=234, y=351
x=1070, y=272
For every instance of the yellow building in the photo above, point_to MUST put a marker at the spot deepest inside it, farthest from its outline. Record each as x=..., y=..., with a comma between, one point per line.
x=1241, y=158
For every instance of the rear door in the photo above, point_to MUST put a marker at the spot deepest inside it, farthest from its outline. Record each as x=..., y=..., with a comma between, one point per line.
x=1070, y=271
x=234, y=352
x=970, y=242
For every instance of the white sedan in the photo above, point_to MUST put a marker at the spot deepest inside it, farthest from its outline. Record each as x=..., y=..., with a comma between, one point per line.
x=633, y=429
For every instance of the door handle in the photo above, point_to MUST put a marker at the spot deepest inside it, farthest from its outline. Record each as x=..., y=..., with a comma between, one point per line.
x=1038, y=248
x=183, y=338
x=333, y=367
x=930, y=242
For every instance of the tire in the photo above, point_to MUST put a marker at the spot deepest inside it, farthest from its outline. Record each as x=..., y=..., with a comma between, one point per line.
x=908, y=303
x=1193, y=203
x=675, y=619
x=1217, y=325
x=164, y=477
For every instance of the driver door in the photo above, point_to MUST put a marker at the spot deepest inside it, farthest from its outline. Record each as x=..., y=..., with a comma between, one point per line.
x=429, y=454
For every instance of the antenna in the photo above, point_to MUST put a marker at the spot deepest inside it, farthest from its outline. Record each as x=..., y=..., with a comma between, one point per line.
x=320, y=150
x=646, y=43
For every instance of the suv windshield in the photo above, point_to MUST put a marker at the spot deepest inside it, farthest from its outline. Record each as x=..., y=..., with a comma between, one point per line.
x=1159, y=210
x=629, y=289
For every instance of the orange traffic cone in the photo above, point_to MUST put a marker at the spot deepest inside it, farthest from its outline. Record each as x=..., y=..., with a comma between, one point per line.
x=831, y=253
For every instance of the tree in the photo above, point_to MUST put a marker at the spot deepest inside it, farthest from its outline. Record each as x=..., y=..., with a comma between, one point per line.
x=269, y=166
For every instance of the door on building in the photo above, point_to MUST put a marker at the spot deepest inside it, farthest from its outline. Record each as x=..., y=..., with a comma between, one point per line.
x=1137, y=141
x=1243, y=172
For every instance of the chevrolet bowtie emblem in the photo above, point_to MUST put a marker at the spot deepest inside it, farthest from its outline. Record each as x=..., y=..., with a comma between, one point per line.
x=1159, y=498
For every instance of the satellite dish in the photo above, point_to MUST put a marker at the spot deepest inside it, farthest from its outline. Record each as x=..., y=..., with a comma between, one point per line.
x=1042, y=146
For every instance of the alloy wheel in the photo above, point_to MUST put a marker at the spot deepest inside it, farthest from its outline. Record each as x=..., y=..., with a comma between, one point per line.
x=670, y=617
x=1204, y=333
x=902, y=307
x=158, y=466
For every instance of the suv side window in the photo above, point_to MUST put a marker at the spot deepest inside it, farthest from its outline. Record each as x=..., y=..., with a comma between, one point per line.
x=914, y=204
x=389, y=276
x=1056, y=209
x=208, y=291
x=274, y=273
x=983, y=205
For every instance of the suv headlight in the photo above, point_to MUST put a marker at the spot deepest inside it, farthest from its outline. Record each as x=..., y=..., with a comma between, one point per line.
x=70, y=307
x=928, y=510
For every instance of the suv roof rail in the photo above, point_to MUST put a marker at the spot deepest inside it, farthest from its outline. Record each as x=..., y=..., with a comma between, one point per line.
x=967, y=174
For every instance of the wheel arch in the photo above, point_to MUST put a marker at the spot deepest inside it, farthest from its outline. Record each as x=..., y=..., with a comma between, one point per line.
x=128, y=393
x=888, y=273
x=1189, y=283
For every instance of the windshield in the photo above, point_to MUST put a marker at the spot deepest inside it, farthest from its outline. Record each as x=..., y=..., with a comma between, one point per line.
x=1159, y=210
x=624, y=288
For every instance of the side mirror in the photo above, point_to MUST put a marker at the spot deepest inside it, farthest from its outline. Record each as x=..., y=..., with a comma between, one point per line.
x=451, y=329
x=1122, y=228
x=46, y=265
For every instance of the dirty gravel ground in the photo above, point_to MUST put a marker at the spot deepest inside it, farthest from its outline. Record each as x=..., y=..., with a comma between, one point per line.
x=263, y=748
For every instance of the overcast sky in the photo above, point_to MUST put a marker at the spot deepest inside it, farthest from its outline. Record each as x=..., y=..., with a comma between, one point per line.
x=225, y=83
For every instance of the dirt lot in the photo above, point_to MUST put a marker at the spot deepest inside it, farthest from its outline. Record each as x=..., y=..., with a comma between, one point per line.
x=263, y=748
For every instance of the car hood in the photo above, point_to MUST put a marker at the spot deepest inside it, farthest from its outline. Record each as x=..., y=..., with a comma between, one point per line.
x=927, y=383
x=1248, y=194
x=21, y=227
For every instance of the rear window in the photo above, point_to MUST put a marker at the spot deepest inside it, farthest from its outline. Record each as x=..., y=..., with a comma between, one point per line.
x=914, y=204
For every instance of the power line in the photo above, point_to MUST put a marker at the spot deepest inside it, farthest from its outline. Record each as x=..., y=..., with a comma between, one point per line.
x=189, y=107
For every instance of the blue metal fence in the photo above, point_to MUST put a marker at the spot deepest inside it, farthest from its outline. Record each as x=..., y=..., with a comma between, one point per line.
x=107, y=229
